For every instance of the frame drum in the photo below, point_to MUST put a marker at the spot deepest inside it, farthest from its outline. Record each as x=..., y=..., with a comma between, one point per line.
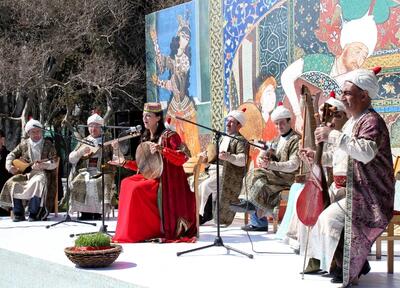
x=149, y=165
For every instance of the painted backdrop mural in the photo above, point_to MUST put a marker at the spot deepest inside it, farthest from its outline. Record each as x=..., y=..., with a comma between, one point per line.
x=268, y=49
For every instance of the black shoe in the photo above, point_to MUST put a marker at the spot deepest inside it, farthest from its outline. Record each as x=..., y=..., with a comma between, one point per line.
x=250, y=227
x=242, y=206
x=18, y=218
x=204, y=219
x=337, y=279
x=365, y=269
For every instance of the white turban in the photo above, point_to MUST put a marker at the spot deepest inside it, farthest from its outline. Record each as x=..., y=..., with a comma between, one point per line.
x=280, y=112
x=362, y=30
x=336, y=103
x=238, y=115
x=95, y=118
x=364, y=79
x=31, y=124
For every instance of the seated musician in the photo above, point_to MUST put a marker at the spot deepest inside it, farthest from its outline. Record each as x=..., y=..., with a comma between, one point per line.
x=337, y=160
x=160, y=206
x=233, y=153
x=276, y=173
x=86, y=187
x=35, y=187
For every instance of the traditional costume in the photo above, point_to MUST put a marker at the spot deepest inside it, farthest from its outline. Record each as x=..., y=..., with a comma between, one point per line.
x=86, y=185
x=38, y=186
x=231, y=173
x=368, y=205
x=162, y=208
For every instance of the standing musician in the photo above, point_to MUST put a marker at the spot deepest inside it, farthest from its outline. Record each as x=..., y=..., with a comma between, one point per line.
x=368, y=206
x=86, y=185
x=232, y=157
x=37, y=186
x=162, y=205
x=276, y=173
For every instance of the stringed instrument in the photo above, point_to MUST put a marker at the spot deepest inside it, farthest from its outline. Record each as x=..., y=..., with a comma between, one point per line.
x=314, y=197
x=94, y=149
x=24, y=166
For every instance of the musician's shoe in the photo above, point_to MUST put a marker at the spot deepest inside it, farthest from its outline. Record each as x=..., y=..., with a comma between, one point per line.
x=365, y=269
x=243, y=206
x=18, y=218
x=312, y=267
x=337, y=279
x=250, y=227
x=205, y=218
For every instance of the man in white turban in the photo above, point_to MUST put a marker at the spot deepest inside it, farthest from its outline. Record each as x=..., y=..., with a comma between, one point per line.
x=368, y=205
x=232, y=152
x=36, y=186
x=278, y=165
x=86, y=186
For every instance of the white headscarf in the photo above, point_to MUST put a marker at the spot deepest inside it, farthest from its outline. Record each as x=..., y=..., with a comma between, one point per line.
x=31, y=124
x=336, y=103
x=238, y=115
x=95, y=118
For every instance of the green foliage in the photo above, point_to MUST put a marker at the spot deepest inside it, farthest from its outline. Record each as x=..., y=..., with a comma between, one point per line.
x=93, y=240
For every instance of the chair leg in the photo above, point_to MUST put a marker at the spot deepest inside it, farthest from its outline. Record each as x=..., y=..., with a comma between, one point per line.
x=390, y=248
x=378, y=245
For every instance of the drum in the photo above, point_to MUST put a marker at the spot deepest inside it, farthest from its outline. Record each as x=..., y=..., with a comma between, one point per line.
x=149, y=165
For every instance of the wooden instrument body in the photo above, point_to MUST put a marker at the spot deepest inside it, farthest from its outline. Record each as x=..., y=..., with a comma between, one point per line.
x=24, y=166
x=150, y=165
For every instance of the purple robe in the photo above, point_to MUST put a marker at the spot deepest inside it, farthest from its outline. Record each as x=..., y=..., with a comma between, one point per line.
x=370, y=196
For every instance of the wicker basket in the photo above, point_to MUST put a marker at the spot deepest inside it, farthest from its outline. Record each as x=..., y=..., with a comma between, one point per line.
x=94, y=258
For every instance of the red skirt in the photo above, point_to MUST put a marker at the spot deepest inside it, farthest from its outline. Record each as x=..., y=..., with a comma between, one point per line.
x=138, y=214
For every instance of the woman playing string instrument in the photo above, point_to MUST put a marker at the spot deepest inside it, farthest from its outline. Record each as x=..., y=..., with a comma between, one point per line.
x=164, y=207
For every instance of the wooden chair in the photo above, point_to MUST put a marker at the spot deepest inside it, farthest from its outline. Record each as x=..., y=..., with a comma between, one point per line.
x=389, y=234
x=197, y=169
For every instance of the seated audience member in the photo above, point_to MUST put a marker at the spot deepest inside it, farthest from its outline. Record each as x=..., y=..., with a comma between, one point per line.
x=232, y=168
x=4, y=174
x=36, y=187
x=276, y=173
x=163, y=208
x=86, y=185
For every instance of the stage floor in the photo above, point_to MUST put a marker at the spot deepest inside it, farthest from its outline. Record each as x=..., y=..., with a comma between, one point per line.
x=33, y=256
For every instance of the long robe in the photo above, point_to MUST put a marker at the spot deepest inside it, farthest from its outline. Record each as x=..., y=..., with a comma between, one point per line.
x=370, y=195
x=162, y=208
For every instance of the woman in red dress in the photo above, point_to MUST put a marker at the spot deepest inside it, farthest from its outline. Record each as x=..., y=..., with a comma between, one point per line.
x=161, y=208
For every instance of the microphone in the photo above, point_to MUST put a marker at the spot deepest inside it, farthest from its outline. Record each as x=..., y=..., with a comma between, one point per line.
x=135, y=129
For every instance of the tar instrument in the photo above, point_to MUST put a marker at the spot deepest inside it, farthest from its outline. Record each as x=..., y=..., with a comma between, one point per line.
x=24, y=166
x=94, y=149
x=150, y=165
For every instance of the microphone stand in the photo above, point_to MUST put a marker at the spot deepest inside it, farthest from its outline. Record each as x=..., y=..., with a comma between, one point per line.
x=218, y=239
x=67, y=147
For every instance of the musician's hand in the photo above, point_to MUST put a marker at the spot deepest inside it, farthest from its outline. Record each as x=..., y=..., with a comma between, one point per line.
x=155, y=148
x=204, y=155
x=13, y=170
x=38, y=166
x=307, y=153
x=263, y=162
x=224, y=155
x=322, y=134
x=85, y=152
x=115, y=144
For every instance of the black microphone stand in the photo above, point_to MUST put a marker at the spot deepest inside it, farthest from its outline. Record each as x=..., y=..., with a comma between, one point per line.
x=218, y=239
x=67, y=151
